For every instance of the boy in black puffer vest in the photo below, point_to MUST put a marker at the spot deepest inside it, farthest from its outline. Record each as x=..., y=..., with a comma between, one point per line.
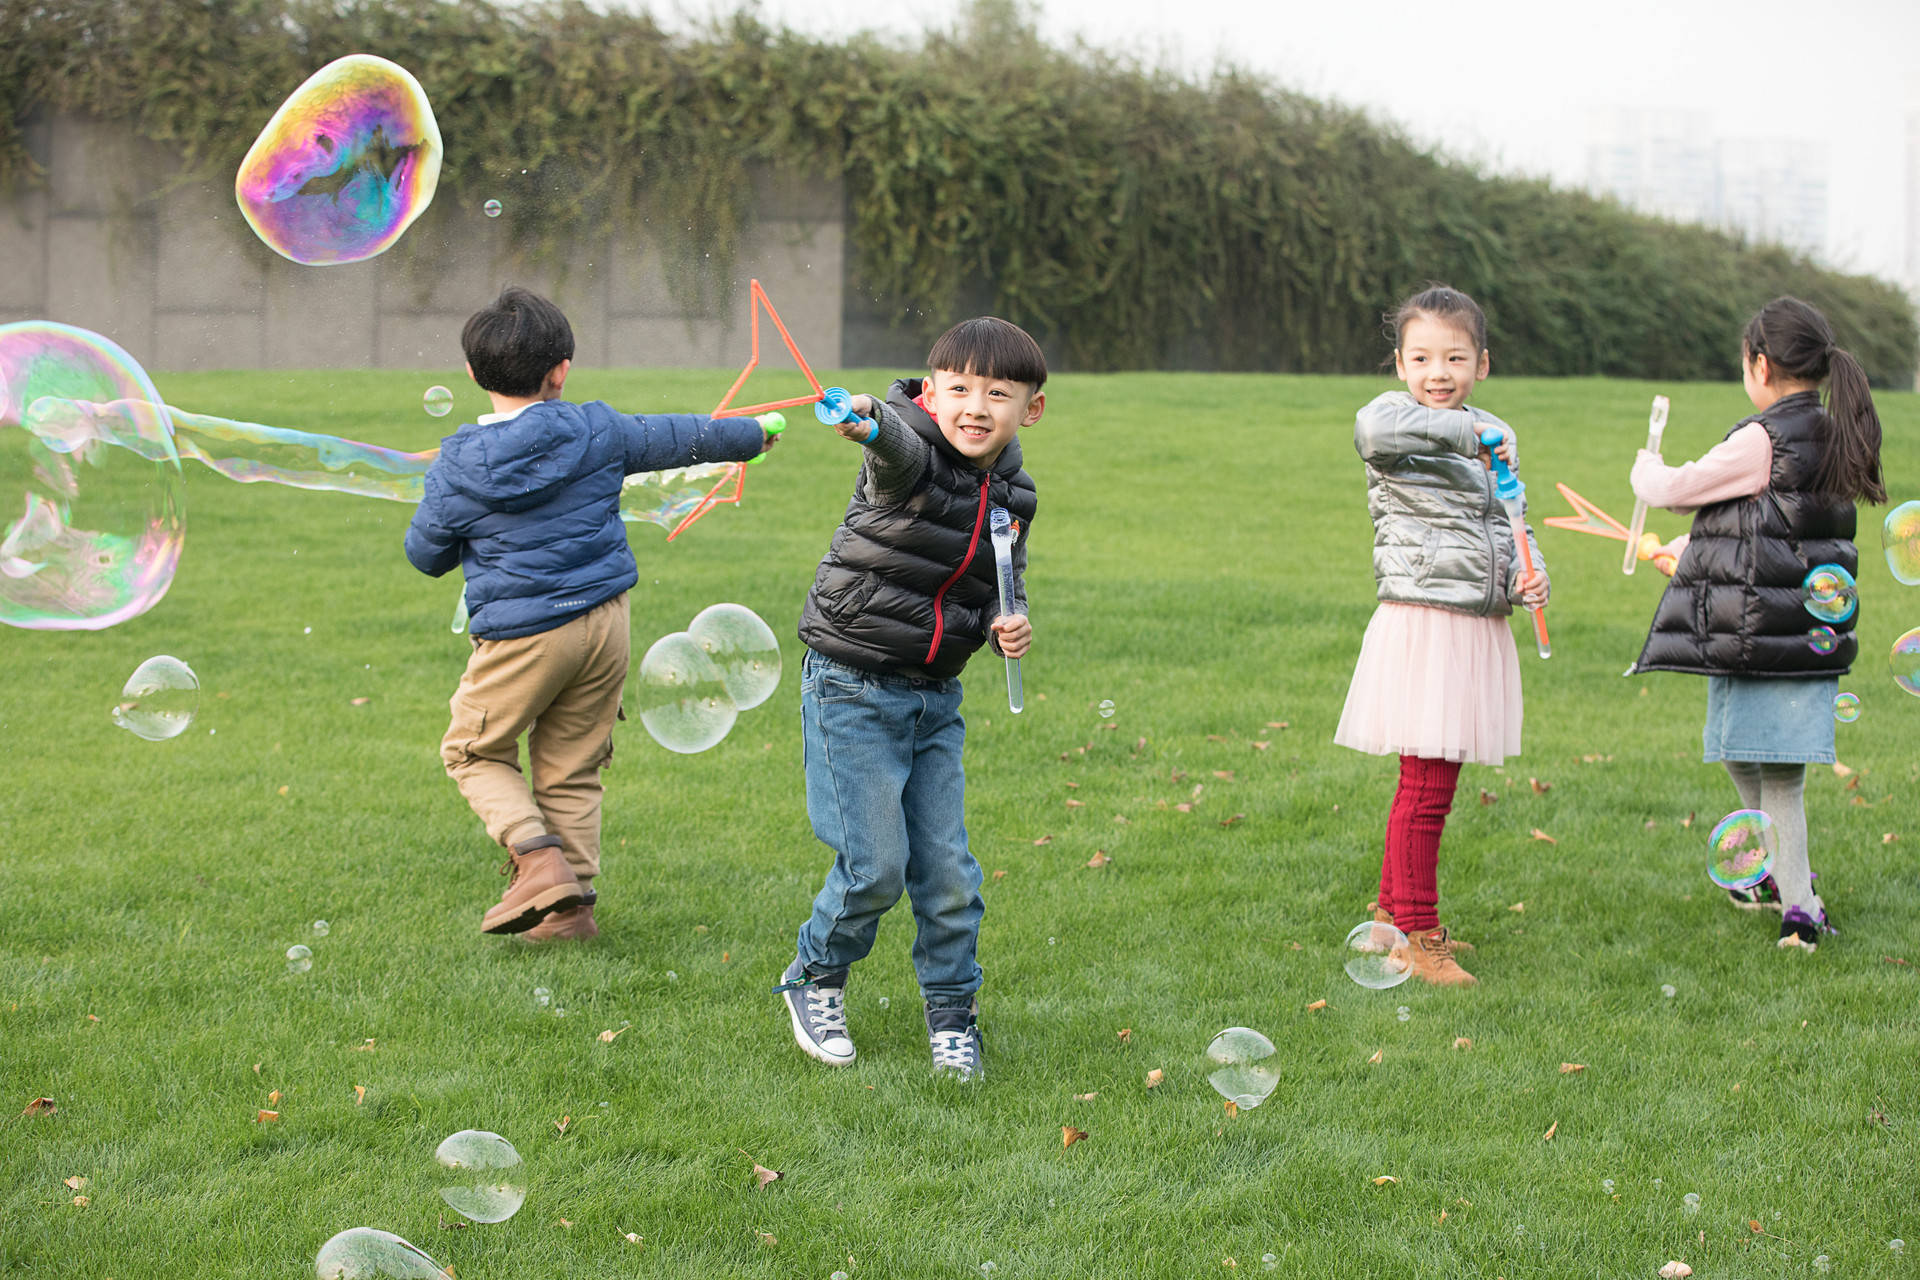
x=907, y=592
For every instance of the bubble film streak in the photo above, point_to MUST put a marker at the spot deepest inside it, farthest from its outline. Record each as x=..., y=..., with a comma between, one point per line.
x=1900, y=539
x=1740, y=849
x=345, y=165
x=1903, y=662
x=90, y=534
x=666, y=498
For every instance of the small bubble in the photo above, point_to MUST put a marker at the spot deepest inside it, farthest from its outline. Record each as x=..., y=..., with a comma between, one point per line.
x=838, y=1275
x=1606, y=1185
x=542, y=997
x=1897, y=1245
x=672, y=976
x=559, y=1011
x=321, y=928
x=491, y=208
x=1053, y=942
x=1268, y=1261
x=1668, y=990
x=306, y=631
x=1657, y=1182
x=986, y=1268
x=1846, y=707
x=438, y=402
x=885, y=1003
x=1692, y=1202
x=603, y=1106
x=1823, y=1263
x=1106, y=708
x=1403, y=1013
x=299, y=958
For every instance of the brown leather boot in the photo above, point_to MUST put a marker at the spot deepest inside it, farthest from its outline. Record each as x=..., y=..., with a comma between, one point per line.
x=540, y=882
x=1431, y=954
x=572, y=924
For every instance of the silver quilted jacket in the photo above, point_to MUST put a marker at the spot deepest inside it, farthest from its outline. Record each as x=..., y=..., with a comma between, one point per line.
x=1440, y=535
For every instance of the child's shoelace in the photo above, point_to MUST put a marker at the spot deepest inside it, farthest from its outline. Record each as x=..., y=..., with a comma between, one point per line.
x=826, y=1011
x=954, y=1049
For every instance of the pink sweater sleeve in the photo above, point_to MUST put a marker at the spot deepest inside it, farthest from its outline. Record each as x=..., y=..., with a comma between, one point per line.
x=1737, y=467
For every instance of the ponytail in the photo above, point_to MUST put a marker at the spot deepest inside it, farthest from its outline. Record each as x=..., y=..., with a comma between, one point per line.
x=1798, y=342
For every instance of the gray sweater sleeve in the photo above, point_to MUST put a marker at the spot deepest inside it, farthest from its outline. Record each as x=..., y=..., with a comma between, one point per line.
x=1394, y=425
x=896, y=459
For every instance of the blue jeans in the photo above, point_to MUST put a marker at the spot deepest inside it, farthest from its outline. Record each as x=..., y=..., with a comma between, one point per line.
x=885, y=791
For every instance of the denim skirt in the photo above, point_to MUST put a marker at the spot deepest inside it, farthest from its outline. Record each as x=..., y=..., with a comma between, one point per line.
x=1770, y=721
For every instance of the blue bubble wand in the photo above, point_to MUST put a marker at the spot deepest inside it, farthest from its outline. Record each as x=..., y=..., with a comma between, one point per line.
x=1512, y=495
x=1000, y=525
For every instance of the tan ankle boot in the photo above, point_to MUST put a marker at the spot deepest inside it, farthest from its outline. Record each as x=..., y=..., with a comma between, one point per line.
x=1431, y=954
x=539, y=882
x=573, y=924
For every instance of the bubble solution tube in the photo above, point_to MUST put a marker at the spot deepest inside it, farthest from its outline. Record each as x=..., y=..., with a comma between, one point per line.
x=1512, y=495
x=1000, y=524
x=1656, y=426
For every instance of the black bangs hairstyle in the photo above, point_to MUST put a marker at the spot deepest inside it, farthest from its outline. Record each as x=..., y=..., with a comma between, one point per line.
x=1440, y=302
x=515, y=341
x=989, y=347
x=1798, y=344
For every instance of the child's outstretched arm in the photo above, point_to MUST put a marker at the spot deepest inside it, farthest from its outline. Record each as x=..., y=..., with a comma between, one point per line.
x=432, y=548
x=657, y=441
x=896, y=455
x=1394, y=425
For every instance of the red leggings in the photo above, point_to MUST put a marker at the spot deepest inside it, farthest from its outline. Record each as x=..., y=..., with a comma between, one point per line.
x=1409, y=871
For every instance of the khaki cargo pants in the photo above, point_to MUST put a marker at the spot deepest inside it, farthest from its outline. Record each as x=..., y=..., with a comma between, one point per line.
x=561, y=688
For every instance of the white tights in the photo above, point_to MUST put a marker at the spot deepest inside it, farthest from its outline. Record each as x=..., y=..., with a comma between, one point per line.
x=1778, y=790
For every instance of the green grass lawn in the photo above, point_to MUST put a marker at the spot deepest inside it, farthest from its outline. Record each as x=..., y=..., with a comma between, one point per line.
x=1201, y=560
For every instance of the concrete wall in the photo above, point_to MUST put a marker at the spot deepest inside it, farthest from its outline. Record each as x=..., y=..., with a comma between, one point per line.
x=119, y=243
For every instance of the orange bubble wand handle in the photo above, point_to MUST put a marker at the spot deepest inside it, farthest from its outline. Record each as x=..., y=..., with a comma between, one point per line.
x=1656, y=426
x=1512, y=495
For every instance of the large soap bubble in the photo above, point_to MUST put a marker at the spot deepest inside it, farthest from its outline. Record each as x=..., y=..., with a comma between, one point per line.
x=743, y=648
x=90, y=533
x=363, y=1253
x=159, y=699
x=683, y=698
x=1377, y=956
x=345, y=165
x=1903, y=662
x=491, y=1185
x=1740, y=849
x=1829, y=594
x=1245, y=1076
x=1900, y=539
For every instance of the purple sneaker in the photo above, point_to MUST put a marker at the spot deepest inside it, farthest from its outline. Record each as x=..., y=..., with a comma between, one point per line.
x=1798, y=929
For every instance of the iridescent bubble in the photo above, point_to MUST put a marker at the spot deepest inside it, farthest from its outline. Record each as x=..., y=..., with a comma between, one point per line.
x=491, y=1185
x=1740, y=849
x=438, y=402
x=159, y=699
x=1900, y=539
x=491, y=208
x=1606, y=1185
x=743, y=648
x=299, y=958
x=362, y=1253
x=542, y=997
x=1829, y=594
x=1403, y=1013
x=1823, y=640
x=1377, y=956
x=321, y=928
x=1903, y=661
x=1668, y=990
x=91, y=522
x=1245, y=1075
x=1897, y=1245
x=683, y=699
x=1846, y=707
x=1106, y=708
x=345, y=165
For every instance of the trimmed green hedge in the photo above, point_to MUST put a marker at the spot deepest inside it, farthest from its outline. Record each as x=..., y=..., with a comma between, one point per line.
x=1130, y=217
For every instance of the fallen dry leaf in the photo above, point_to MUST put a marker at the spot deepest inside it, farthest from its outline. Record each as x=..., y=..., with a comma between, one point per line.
x=1259, y=744
x=1075, y=804
x=632, y=1237
x=1233, y=1109
x=1568, y=1068
x=358, y=702
x=763, y=1175
x=359, y=1094
x=1538, y=834
x=1488, y=797
x=1518, y=906
x=1539, y=788
x=40, y=1107
x=1316, y=1006
x=1841, y=771
x=256, y=1068
x=1386, y=1180
x=76, y=1182
x=1293, y=946
x=1216, y=737
x=1154, y=1077
x=1675, y=1270
x=1223, y=773
x=1238, y=817
x=364, y=1048
x=1000, y=875
x=1122, y=819
x=562, y=1123
x=1378, y=1056
x=1184, y=807
x=1228, y=1261
x=1896, y=960
x=1125, y=1034
x=1044, y=840
x=767, y=1238
x=284, y=790
x=1551, y=1130
x=273, y=1098
x=567, y=1223
x=1889, y=837
x=1687, y=821
x=93, y=1017
x=266, y=1117
x=1070, y=1135
x=83, y=1201
x=1099, y=858
x=1073, y=786
x=1086, y=1097
x=1461, y=1042
x=1198, y=787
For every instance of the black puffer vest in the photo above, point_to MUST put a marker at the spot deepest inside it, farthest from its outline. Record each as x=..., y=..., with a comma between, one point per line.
x=1734, y=607
x=908, y=588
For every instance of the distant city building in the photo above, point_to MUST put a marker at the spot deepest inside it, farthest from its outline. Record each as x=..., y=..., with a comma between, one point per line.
x=1671, y=163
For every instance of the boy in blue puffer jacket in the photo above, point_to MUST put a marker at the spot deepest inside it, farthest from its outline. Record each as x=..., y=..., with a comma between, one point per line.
x=527, y=502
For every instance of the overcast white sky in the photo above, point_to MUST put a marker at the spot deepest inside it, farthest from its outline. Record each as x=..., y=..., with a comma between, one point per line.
x=1511, y=82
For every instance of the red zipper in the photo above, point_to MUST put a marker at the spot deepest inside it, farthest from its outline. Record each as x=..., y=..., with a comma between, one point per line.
x=939, y=597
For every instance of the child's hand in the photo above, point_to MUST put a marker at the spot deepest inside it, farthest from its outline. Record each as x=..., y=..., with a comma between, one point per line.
x=1508, y=451
x=859, y=427
x=1014, y=633
x=1533, y=589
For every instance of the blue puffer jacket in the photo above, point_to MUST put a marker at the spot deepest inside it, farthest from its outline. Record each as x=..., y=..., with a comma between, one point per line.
x=530, y=508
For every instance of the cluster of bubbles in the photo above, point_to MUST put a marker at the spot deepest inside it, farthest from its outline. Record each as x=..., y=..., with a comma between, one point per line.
x=1740, y=849
x=159, y=700
x=1244, y=1074
x=693, y=684
x=1377, y=955
x=487, y=1183
x=438, y=401
x=345, y=165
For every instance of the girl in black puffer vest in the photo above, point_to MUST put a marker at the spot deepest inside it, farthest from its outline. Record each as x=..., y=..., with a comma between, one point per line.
x=1775, y=502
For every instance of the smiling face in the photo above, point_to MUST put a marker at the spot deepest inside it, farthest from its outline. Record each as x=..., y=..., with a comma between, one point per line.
x=979, y=416
x=1439, y=362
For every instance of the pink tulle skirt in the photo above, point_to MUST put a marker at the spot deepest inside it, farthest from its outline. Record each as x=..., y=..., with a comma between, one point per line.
x=1434, y=683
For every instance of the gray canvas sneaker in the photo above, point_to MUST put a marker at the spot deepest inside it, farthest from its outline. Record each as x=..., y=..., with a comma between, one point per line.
x=817, y=1007
x=953, y=1035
